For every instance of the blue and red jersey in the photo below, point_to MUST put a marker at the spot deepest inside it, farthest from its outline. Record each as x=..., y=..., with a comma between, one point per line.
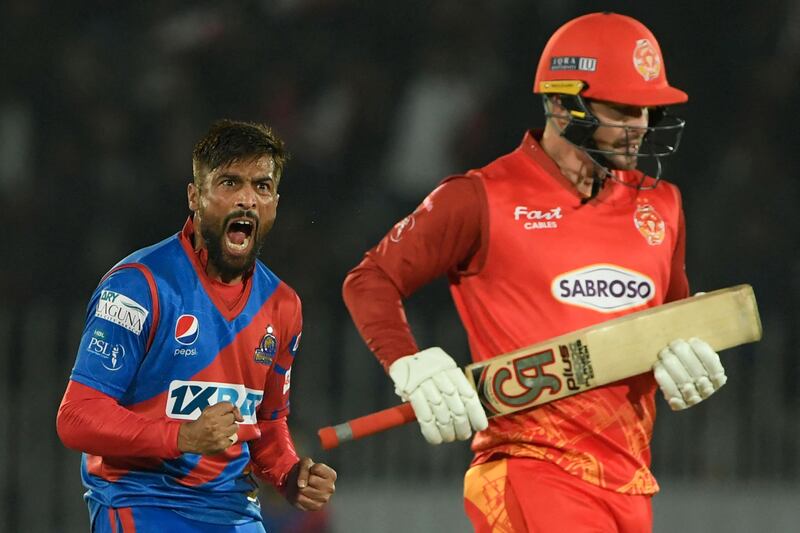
x=164, y=343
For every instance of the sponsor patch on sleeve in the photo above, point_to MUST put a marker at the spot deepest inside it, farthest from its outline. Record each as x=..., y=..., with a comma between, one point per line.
x=121, y=310
x=287, y=381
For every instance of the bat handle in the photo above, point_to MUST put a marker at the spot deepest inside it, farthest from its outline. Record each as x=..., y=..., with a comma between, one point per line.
x=332, y=436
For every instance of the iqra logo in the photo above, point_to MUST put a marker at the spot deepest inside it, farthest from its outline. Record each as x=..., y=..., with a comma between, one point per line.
x=604, y=288
x=121, y=310
x=187, y=399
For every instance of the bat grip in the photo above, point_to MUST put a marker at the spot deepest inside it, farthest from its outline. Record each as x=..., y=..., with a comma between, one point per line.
x=332, y=436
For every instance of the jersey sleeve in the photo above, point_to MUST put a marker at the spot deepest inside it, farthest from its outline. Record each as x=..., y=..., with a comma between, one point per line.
x=92, y=422
x=115, y=337
x=442, y=236
x=445, y=235
x=119, y=321
x=678, y=281
x=273, y=453
x=276, y=390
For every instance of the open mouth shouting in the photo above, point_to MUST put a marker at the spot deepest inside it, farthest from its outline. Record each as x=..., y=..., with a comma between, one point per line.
x=240, y=234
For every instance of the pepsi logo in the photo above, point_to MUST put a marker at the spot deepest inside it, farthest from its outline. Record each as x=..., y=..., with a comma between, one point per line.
x=186, y=329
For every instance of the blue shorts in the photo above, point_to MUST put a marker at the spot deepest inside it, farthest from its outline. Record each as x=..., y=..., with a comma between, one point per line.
x=141, y=519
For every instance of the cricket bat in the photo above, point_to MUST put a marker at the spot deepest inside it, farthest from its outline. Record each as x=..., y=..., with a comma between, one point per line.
x=587, y=358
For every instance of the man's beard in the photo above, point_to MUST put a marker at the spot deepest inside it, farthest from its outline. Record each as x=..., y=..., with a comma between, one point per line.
x=228, y=266
x=624, y=162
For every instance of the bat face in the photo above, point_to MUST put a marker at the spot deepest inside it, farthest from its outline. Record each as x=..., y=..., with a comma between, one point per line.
x=587, y=358
x=612, y=350
x=534, y=378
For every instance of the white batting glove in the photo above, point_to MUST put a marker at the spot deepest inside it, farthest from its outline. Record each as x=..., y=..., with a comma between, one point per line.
x=445, y=404
x=688, y=372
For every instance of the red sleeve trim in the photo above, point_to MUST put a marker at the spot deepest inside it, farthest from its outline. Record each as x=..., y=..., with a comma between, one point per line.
x=93, y=422
x=151, y=282
x=273, y=455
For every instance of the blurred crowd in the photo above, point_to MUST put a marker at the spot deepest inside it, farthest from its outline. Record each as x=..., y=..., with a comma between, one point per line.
x=100, y=105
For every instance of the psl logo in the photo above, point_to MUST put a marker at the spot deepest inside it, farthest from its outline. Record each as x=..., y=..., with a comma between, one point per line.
x=646, y=60
x=111, y=355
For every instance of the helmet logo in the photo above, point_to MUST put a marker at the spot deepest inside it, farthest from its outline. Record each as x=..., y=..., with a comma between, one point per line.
x=649, y=223
x=587, y=64
x=646, y=60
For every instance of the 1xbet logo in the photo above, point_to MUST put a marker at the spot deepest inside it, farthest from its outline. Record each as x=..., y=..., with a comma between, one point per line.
x=187, y=399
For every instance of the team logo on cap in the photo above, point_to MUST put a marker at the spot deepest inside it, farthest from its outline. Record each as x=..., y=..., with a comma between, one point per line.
x=186, y=329
x=650, y=224
x=646, y=60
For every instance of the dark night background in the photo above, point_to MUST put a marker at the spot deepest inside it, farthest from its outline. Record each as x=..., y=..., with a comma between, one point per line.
x=101, y=104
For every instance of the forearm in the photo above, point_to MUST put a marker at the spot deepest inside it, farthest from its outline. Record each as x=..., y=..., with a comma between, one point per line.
x=92, y=422
x=376, y=307
x=273, y=455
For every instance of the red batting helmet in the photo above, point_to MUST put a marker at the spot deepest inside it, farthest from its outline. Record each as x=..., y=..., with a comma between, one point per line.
x=606, y=56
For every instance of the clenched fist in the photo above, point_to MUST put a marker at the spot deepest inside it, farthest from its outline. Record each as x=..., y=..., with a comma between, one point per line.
x=310, y=485
x=213, y=432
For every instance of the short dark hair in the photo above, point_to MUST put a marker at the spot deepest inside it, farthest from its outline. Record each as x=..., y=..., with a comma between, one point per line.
x=229, y=141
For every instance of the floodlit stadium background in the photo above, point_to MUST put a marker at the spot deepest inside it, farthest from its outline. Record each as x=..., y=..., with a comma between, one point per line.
x=101, y=103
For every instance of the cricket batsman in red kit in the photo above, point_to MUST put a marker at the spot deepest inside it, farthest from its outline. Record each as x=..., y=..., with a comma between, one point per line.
x=560, y=234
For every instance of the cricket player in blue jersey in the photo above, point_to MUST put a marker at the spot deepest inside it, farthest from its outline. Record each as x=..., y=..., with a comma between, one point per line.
x=180, y=389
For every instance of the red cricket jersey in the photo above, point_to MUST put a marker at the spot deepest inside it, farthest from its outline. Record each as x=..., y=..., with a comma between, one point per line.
x=528, y=260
